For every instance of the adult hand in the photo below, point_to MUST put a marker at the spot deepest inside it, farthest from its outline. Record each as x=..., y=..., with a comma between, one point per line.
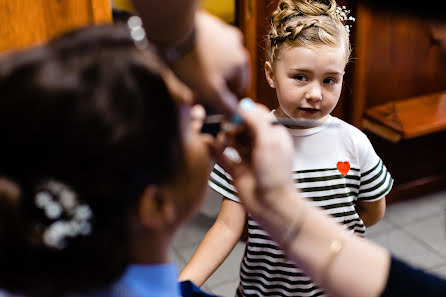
x=217, y=70
x=263, y=176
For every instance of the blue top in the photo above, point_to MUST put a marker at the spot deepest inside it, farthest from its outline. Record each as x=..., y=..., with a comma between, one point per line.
x=143, y=280
x=159, y=280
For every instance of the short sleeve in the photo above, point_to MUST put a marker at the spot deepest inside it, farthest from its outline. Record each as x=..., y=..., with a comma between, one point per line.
x=221, y=182
x=375, y=181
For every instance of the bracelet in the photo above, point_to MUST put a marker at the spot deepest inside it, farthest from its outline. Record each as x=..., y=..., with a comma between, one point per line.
x=294, y=230
x=172, y=54
x=335, y=248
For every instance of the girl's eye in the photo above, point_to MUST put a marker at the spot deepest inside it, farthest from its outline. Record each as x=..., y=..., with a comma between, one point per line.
x=300, y=77
x=330, y=81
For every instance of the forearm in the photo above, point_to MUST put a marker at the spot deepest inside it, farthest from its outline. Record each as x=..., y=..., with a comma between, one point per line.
x=210, y=254
x=359, y=269
x=166, y=21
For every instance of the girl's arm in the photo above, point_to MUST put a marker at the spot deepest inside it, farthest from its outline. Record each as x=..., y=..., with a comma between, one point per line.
x=217, y=243
x=371, y=212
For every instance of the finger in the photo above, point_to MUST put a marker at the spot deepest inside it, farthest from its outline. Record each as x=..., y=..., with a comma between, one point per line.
x=230, y=165
x=254, y=115
x=227, y=100
x=221, y=142
x=197, y=115
x=239, y=78
x=179, y=91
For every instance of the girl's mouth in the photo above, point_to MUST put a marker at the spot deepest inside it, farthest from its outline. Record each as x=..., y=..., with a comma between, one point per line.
x=309, y=110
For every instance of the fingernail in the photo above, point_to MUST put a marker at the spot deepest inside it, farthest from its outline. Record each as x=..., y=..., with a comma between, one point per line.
x=246, y=104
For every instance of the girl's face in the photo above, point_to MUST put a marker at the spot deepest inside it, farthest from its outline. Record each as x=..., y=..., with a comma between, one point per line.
x=308, y=81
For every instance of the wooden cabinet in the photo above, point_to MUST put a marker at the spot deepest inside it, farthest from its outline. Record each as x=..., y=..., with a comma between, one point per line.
x=24, y=22
x=394, y=58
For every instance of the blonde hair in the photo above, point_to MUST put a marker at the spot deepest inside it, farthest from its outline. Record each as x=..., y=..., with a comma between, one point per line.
x=306, y=23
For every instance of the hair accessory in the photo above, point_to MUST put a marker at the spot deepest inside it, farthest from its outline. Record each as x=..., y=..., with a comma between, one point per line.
x=70, y=218
x=342, y=13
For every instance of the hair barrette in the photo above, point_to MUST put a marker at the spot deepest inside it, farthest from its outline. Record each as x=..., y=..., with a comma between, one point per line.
x=70, y=218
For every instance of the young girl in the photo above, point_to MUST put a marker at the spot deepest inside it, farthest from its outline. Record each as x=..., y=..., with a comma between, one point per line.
x=335, y=165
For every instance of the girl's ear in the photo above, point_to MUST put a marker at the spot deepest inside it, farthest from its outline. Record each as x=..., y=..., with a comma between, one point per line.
x=269, y=74
x=155, y=210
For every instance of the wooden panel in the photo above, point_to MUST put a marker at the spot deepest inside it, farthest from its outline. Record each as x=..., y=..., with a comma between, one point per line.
x=102, y=11
x=417, y=165
x=246, y=20
x=23, y=22
x=395, y=59
x=409, y=118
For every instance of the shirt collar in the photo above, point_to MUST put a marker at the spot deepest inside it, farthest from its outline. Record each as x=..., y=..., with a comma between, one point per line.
x=308, y=131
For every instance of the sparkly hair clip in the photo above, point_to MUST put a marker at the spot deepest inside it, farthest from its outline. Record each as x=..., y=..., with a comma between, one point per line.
x=70, y=219
x=342, y=13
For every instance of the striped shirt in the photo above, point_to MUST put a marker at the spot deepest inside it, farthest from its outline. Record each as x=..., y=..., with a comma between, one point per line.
x=334, y=166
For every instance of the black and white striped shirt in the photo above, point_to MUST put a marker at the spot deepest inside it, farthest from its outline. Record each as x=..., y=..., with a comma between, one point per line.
x=335, y=166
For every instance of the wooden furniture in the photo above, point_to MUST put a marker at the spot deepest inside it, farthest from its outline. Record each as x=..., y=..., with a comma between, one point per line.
x=399, y=79
x=406, y=119
x=24, y=23
x=393, y=83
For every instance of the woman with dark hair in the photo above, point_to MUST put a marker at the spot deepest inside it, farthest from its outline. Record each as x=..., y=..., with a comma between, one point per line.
x=98, y=169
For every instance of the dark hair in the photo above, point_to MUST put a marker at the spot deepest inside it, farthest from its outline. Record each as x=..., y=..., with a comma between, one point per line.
x=86, y=113
x=434, y=10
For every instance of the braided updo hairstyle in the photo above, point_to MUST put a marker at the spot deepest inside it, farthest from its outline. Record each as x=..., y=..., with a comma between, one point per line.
x=306, y=23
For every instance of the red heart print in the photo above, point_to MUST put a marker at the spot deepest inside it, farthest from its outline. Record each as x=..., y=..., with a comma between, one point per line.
x=343, y=167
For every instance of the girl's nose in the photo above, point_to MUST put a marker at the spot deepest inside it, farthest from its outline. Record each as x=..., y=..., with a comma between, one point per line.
x=314, y=92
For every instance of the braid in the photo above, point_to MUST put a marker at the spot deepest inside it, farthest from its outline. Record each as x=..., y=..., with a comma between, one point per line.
x=306, y=23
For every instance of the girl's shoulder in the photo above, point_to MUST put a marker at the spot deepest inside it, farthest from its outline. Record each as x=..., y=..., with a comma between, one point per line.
x=347, y=128
x=351, y=135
